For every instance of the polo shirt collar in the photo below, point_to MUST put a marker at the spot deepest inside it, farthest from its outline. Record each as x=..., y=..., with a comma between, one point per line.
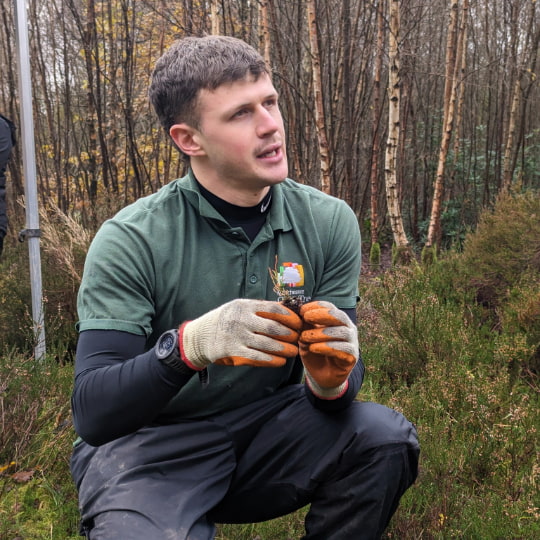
x=277, y=216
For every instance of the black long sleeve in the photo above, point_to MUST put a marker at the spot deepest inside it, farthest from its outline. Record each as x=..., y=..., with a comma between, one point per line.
x=118, y=387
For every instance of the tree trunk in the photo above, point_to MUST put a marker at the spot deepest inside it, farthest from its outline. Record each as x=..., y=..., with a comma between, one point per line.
x=461, y=64
x=376, y=119
x=508, y=169
x=89, y=41
x=521, y=66
x=317, y=92
x=214, y=18
x=394, y=94
x=347, y=100
x=265, y=32
x=434, y=230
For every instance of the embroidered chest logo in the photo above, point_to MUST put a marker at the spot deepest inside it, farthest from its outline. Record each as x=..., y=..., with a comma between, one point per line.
x=291, y=274
x=287, y=278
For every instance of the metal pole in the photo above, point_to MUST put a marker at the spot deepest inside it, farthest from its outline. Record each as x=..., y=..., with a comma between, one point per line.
x=29, y=167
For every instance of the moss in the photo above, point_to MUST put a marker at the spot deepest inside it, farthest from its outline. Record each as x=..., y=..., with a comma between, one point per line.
x=375, y=255
x=38, y=509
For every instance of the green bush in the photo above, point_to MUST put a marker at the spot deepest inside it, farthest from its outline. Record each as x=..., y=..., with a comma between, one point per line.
x=412, y=323
x=504, y=251
x=463, y=366
x=15, y=301
x=478, y=477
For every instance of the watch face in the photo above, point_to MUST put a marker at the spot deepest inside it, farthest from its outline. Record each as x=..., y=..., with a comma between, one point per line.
x=166, y=345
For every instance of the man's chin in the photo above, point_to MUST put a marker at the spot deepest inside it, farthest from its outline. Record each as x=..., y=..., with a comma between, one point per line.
x=278, y=177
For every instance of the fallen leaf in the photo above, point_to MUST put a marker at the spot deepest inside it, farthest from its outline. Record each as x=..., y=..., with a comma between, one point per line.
x=23, y=476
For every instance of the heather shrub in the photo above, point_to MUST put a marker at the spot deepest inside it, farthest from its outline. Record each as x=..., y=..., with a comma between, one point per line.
x=462, y=364
x=478, y=470
x=15, y=301
x=411, y=323
x=503, y=252
x=518, y=343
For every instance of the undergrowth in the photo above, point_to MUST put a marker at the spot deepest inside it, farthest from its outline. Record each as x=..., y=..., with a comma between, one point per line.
x=37, y=497
x=454, y=345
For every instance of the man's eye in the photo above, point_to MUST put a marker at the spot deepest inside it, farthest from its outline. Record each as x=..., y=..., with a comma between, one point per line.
x=240, y=113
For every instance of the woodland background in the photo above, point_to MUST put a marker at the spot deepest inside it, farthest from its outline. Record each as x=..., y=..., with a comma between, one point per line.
x=423, y=115
x=440, y=100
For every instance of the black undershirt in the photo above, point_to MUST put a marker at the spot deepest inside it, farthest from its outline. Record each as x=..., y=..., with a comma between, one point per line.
x=250, y=218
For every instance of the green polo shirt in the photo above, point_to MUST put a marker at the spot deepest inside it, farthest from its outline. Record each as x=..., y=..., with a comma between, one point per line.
x=171, y=257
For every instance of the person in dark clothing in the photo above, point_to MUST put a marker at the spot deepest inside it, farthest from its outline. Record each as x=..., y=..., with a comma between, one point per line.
x=199, y=396
x=7, y=141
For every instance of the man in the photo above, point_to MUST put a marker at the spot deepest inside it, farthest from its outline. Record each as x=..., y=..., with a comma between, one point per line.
x=7, y=141
x=188, y=395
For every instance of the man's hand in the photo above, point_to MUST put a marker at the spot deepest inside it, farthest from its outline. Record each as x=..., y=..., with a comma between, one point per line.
x=328, y=348
x=241, y=332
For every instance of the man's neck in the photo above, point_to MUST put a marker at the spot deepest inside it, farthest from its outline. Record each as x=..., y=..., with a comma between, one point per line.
x=229, y=192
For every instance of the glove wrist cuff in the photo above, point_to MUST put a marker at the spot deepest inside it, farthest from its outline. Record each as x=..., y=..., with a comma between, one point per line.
x=326, y=393
x=186, y=351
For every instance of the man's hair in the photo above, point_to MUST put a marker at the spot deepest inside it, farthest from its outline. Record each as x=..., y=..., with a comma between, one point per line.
x=195, y=63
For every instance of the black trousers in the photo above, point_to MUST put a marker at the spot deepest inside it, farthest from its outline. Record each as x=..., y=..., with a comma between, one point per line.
x=255, y=463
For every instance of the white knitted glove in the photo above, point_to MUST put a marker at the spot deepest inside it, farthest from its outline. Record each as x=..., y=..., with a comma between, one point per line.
x=241, y=332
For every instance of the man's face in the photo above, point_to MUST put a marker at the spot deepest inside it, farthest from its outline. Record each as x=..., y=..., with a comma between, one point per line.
x=241, y=137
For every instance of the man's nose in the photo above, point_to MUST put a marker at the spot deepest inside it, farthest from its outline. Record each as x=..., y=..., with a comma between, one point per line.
x=268, y=122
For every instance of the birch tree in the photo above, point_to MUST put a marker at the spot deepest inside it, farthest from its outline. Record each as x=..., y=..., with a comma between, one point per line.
x=376, y=143
x=214, y=18
x=434, y=229
x=526, y=65
x=317, y=92
x=461, y=65
x=264, y=32
x=403, y=250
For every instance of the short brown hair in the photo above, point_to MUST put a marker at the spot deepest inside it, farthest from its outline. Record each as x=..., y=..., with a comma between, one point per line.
x=195, y=63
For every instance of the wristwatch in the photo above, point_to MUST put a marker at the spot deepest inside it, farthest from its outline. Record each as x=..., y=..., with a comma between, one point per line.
x=168, y=352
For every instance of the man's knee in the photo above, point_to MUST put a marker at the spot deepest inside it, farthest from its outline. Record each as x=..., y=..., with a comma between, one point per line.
x=377, y=425
x=384, y=443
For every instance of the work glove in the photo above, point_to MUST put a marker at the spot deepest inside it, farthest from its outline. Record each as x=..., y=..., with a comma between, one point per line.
x=239, y=333
x=328, y=348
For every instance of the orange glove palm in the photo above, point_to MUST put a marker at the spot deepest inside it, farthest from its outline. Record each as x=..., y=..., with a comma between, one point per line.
x=328, y=348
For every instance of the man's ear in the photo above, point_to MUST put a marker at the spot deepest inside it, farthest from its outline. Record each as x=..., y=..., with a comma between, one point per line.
x=187, y=139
